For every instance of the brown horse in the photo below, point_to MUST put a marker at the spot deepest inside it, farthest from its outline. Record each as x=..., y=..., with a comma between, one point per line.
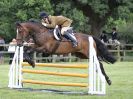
x=45, y=42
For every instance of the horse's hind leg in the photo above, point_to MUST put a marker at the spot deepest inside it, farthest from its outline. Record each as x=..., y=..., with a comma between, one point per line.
x=103, y=72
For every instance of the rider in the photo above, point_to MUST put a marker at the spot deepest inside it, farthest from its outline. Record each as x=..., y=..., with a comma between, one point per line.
x=114, y=35
x=65, y=23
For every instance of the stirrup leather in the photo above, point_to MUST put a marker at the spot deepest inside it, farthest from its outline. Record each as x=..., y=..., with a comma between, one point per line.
x=57, y=33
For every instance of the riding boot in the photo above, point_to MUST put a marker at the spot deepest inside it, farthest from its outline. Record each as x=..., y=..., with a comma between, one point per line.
x=71, y=37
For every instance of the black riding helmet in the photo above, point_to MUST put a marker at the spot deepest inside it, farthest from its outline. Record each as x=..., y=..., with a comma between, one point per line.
x=43, y=15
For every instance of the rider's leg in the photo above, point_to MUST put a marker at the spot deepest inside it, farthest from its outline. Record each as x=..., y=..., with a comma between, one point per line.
x=71, y=37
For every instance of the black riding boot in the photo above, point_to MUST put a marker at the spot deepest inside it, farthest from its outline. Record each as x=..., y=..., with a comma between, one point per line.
x=71, y=37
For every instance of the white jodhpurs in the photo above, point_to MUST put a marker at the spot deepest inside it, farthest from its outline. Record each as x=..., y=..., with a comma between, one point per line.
x=64, y=29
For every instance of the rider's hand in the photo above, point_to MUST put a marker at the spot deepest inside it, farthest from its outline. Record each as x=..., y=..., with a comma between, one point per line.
x=44, y=24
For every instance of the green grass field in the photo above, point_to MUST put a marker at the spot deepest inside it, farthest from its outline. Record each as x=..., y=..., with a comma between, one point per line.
x=121, y=74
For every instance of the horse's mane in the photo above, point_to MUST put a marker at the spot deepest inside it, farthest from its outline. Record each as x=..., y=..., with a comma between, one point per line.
x=38, y=23
x=35, y=22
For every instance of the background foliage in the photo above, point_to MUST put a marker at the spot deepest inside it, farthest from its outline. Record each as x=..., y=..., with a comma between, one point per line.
x=89, y=16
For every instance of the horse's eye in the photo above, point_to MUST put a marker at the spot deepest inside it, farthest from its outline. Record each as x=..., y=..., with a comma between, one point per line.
x=20, y=30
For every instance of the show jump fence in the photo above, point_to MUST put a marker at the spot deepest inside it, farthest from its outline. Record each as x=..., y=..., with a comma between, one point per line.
x=96, y=80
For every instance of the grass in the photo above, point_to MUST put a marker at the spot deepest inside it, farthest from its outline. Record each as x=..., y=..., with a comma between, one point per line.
x=121, y=74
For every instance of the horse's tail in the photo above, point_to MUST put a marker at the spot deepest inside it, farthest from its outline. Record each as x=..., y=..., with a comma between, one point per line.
x=103, y=51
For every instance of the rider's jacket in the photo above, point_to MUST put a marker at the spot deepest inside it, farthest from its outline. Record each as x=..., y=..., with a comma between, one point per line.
x=57, y=20
x=114, y=35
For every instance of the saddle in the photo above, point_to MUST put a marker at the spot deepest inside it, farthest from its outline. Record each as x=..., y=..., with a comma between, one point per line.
x=57, y=33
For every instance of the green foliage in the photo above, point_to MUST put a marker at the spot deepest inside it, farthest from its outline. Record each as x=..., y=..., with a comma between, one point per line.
x=114, y=23
x=123, y=12
x=99, y=6
x=130, y=18
x=22, y=14
x=126, y=32
x=80, y=21
x=19, y=10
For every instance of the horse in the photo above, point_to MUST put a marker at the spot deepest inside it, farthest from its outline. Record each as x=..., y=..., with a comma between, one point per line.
x=45, y=42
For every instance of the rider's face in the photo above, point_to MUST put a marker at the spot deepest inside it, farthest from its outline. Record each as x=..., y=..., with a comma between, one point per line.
x=46, y=20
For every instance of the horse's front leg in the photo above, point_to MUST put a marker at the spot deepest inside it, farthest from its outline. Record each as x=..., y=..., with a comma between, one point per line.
x=28, y=52
x=27, y=55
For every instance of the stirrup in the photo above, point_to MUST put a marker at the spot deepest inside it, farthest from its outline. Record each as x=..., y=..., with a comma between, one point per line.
x=74, y=44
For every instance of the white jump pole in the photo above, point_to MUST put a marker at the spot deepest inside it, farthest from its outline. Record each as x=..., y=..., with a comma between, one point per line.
x=14, y=74
x=96, y=79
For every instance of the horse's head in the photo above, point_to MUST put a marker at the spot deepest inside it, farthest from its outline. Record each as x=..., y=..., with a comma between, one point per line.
x=22, y=33
x=29, y=29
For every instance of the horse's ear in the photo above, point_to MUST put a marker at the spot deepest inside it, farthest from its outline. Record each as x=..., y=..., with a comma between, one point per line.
x=18, y=24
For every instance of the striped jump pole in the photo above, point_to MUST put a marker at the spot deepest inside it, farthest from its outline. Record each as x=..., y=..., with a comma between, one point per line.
x=57, y=65
x=54, y=73
x=96, y=80
x=56, y=83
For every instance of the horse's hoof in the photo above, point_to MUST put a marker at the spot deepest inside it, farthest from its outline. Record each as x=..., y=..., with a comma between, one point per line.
x=109, y=82
x=33, y=65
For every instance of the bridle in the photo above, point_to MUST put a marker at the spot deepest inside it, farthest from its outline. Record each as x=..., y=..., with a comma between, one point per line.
x=20, y=36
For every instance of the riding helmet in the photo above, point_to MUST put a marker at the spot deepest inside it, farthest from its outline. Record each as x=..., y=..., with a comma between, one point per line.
x=43, y=15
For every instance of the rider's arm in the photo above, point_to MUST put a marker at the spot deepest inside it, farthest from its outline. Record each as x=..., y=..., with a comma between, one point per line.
x=52, y=23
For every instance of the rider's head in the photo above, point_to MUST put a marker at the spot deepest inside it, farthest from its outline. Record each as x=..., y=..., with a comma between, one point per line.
x=114, y=29
x=43, y=15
